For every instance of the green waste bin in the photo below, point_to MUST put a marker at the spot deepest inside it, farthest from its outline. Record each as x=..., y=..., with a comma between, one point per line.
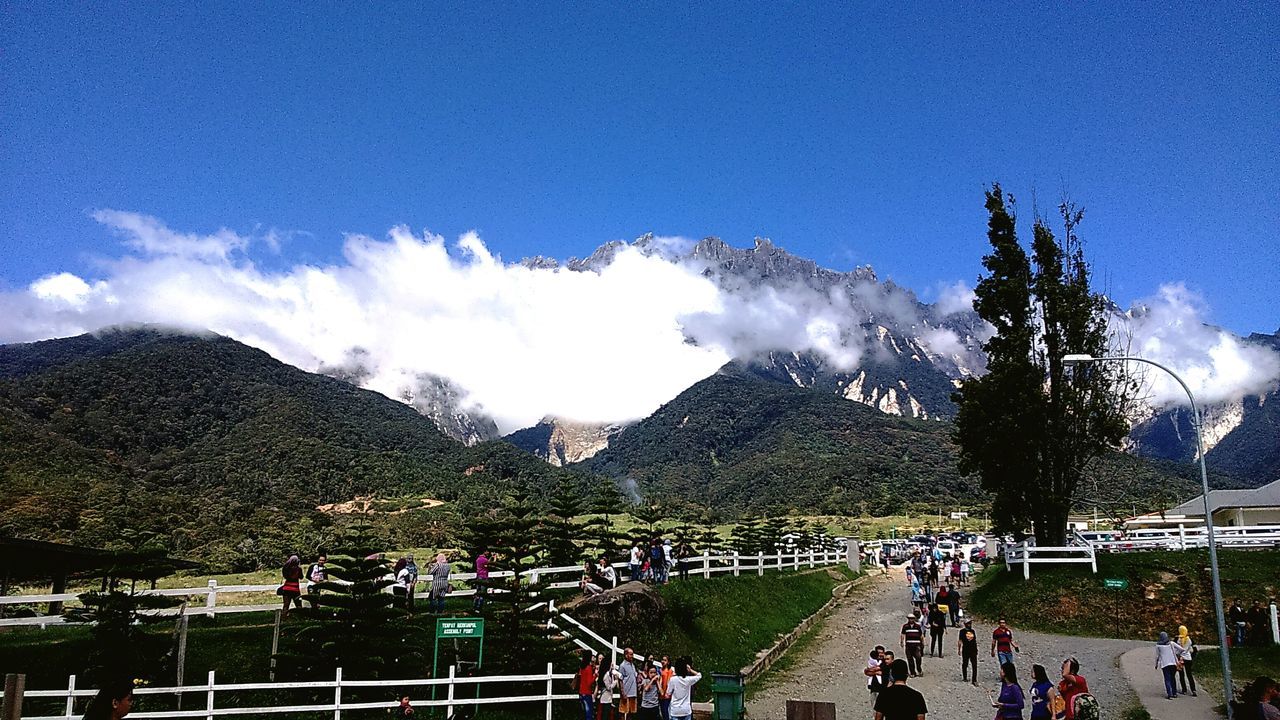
x=729, y=696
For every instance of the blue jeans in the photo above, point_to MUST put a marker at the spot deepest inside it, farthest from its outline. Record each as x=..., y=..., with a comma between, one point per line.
x=1239, y=634
x=1004, y=657
x=588, y=707
x=1170, y=680
x=664, y=707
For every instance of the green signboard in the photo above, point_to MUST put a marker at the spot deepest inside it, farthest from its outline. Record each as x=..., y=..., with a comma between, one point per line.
x=459, y=628
x=1115, y=583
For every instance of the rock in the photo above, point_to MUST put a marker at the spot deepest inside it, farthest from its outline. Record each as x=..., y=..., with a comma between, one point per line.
x=615, y=610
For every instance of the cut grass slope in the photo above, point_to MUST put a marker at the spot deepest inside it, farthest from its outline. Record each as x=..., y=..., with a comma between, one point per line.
x=1166, y=589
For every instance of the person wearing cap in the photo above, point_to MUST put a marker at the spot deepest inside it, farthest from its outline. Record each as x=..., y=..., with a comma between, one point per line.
x=1002, y=643
x=899, y=702
x=967, y=647
x=912, y=640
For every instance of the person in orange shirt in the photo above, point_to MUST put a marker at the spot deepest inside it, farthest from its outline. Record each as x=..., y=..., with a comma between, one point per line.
x=664, y=691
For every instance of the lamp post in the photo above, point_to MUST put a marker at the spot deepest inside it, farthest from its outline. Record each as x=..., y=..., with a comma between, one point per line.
x=1079, y=359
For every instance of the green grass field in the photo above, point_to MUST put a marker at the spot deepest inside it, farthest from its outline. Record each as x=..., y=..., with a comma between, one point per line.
x=1165, y=589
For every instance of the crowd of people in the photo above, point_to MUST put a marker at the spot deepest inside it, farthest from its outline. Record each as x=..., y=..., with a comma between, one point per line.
x=1248, y=627
x=651, y=562
x=635, y=688
x=404, y=577
x=935, y=607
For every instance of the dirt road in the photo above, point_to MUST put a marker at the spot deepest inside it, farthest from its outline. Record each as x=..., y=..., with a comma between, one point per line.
x=830, y=667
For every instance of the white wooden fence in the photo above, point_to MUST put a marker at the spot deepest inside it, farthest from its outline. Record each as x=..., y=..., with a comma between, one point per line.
x=1026, y=555
x=211, y=691
x=1245, y=537
x=704, y=565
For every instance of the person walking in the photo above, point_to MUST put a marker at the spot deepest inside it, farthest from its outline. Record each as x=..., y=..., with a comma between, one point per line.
x=967, y=647
x=937, y=626
x=630, y=686
x=1011, y=701
x=607, y=680
x=1188, y=658
x=1002, y=643
x=898, y=701
x=1167, y=653
x=1042, y=694
x=439, y=572
x=966, y=569
x=584, y=682
x=873, y=670
x=912, y=641
x=681, y=685
x=291, y=589
x=953, y=605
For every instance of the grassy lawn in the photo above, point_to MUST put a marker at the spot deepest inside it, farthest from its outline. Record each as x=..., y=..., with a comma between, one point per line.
x=723, y=622
x=1165, y=589
x=1247, y=663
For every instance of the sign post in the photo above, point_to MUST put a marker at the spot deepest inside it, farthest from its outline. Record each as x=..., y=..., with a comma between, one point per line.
x=457, y=629
x=1116, y=584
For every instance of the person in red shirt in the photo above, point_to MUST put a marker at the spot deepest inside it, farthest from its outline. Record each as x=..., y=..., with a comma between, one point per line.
x=1071, y=685
x=584, y=683
x=1002, y=644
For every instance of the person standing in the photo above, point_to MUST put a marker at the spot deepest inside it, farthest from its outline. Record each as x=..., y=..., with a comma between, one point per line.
x=630, y=684
x=664, y=689
x=681, y=685
x=1002, y=643
x=912, y=640
x=873, y=670
x=400, y=574
x=607, y=680
x=967, y=647
x=291, y=588
x=1236, y=615
x=898, y=701
x=966, y=568
x=411, y=572
x=316, y=574
x=439, y=572
x=1042, y=692
x=1011, y=700
x=1167, y=653
x=1072, y=686
x=937, y=626
x=482, y=580
x=635, y=562
x=650, y=689
x=584, y=682
x=1188, y=659
x=953, y=605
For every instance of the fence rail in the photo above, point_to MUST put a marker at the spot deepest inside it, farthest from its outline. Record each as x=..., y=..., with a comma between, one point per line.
x=212, y=689
x=704, y=565
x=1026, y=555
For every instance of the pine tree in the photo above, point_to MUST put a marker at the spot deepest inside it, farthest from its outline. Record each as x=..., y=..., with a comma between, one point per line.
x=1027, y=427
x=747, y=537
x=560, y=532
x=356, y=625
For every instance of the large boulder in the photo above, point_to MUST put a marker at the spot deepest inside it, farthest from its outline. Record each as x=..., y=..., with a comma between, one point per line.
x=613, y=611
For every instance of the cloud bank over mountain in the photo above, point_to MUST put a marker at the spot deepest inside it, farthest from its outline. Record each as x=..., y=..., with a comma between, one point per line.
x=523, y=341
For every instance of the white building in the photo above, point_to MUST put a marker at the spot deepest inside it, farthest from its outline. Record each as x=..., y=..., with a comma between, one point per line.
x=1234, y=507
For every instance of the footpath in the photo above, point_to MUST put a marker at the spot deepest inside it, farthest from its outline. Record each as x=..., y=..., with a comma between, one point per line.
x=829, y=667
x=1139, y=666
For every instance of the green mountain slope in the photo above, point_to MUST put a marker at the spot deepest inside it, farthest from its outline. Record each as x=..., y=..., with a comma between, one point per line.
x=208, y=441
x=738, y=443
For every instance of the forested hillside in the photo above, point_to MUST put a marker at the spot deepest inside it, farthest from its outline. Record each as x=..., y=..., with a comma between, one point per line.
x=739, y=443
x=214, y=445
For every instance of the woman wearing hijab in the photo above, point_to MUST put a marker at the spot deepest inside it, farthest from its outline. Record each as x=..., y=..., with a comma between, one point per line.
x=439, y=572
x=1188, y=659
x=1167, y=654
x=290, y=589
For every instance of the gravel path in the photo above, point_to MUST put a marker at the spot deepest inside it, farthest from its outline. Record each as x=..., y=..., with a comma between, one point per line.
x=829, y=668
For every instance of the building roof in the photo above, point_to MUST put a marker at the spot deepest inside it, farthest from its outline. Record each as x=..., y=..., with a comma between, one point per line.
x=1266, y=496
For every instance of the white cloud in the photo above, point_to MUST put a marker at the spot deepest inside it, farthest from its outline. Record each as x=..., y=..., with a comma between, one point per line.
x=1169, y=328
x=151, y=236
x=954, y=298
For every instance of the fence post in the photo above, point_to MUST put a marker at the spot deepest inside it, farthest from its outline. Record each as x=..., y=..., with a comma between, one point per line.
x=550, y=690
x=1093, y=559
x=14, y=686
x=760, y=563
x=448, y=710
x=211, y=599
x=71, y=696
x=706, y=564
x=208, y=700
x=1275, y=625
x=811, y=557
x=1026, y=562
x=1182, y=537
x=613, y=652
x=337, y=694
x=737, y=565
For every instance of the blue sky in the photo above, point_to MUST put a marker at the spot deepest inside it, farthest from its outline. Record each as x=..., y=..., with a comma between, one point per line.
x=848, y=133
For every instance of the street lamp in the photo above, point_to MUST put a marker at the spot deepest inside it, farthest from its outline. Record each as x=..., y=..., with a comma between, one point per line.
x=1080, y=359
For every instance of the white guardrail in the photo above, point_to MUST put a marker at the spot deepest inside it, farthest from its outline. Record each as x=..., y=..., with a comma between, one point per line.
x=211, y=692
x=705, y=565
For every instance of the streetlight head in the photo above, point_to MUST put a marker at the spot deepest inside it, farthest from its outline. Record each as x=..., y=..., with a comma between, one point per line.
x=1076, y=359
